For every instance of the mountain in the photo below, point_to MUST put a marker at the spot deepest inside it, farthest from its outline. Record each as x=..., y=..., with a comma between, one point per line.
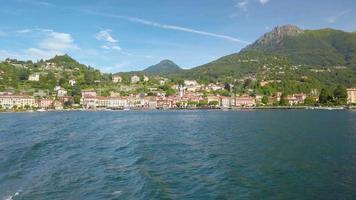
x=295, y=57
x=163, y=68
x=324, y=47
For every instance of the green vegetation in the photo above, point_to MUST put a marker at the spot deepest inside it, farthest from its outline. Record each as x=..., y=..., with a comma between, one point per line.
x=163, y=68
x=288, y=60
x=337, y=97
x=325, y=47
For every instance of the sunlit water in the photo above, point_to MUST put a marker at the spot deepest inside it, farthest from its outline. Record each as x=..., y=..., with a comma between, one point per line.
x=178, y=155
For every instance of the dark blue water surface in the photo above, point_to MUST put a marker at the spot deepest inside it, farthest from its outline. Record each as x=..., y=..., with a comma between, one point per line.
x=178, y=155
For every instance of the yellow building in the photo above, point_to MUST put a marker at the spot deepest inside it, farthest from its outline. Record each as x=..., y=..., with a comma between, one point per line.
x=351, y=95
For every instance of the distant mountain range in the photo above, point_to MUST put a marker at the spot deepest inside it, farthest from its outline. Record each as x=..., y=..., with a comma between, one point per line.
x=318, y=48
x=296, y=59
x=283, y=47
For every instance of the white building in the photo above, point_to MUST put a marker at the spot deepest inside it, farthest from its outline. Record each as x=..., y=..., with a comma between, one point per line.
x=145, y=78
x=9, y=101
x=61, y=92
x=162, y=82
x=116, y=79
x=190, y=83
x=135, y=79
x=34, y=77
x=351, y=95
x=117, y=102
x=72, y=82
x=89, y=102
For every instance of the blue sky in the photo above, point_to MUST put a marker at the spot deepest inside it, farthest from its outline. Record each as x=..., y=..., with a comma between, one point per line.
x=125, y=35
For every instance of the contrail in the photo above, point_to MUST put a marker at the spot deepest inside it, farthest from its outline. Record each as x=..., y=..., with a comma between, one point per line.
x=167, y=26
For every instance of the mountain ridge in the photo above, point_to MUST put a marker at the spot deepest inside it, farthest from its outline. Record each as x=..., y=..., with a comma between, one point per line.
x=163, y=67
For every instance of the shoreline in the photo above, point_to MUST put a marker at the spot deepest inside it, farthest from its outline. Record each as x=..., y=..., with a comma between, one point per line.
x=191, y=109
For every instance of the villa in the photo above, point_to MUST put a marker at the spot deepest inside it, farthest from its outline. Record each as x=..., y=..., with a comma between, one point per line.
x=351, y=95
x=135, y=79
x=245, y=101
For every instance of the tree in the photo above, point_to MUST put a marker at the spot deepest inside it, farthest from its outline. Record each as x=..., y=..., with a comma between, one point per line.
x=227, y=87
x=202, y=103
x=214, y=103
x=265, y=100
x=62, y=81
x=247, y=83
x=340, y=95
x=324, y=96
x=76, y=90
x=77, y=99
x=283, y=101
x=309, y=101
x=170, y=92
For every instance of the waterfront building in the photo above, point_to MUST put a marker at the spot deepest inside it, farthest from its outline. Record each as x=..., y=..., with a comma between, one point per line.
x=102, y=102
x=89, y=102
x=66, y=100
x=226, y=102
x=212, y=98
x=45, y=103
x=351, y=95
x=296, y=99
x=19, y=101
x=57, y=105
x=245, y=101
x=117, y=102
x=89, y=93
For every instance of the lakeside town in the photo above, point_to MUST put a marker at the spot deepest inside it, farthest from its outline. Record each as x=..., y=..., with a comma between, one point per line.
x=187, y=95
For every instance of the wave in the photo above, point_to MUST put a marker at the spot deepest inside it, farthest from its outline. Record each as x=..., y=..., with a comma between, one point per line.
x=11, y=197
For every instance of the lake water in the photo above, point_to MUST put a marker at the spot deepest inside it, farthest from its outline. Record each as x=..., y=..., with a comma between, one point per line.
x=295, y=154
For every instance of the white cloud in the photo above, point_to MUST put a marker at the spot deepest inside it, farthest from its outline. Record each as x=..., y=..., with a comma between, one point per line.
x=167, y=26
x=242, y=5
x=35, y=2
x=105, y=47
x=35, y=53
x=58, y=42
x=264, y=2
x=51, y=43
x=110, y=42
x=116, y=48
x=105, y=35
x=337, y=16
x=22, y=31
